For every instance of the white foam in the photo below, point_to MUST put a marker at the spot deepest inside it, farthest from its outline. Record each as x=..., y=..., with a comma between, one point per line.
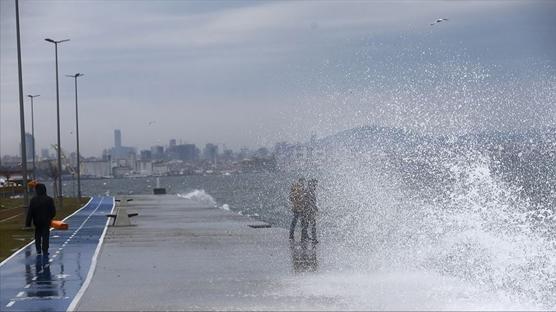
x=412, y=290
x=200, y=196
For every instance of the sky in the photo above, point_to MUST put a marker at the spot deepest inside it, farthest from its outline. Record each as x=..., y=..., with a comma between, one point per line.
x=252, y=73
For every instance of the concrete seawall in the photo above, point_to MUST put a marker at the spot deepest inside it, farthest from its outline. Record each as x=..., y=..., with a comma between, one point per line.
x=180, y=255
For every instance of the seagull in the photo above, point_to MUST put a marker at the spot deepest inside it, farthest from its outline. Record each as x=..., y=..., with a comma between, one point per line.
x=440, y=20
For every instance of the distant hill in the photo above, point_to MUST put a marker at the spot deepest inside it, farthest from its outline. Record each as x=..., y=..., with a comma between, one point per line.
x=395, y=139
x=372, y=137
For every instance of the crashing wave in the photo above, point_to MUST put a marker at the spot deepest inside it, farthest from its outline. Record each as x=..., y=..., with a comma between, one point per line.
x=200, y=196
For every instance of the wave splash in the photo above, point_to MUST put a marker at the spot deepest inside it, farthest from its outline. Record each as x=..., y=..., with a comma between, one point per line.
x=464, y=223
x=200, y=196
x=204, y=198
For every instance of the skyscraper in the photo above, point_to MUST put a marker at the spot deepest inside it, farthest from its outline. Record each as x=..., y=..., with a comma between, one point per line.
x=187, y=152
x=210, y=152
x=146, y=155
x=119, y=151
x=45, y=153
x=117, y=138
x=157, y=152
x=29, y=140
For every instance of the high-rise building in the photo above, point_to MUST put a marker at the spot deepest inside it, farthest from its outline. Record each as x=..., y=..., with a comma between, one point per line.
x=117, y=138
x=146, y=155
x=119, y=151
x=45, y=153
x=96, y=168
x=157, y=152
x=29, y=143
x=210, y=152
x=172, y=142
x=187, y=152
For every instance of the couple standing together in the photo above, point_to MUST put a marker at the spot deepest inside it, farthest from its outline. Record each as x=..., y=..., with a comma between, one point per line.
x=304, y=205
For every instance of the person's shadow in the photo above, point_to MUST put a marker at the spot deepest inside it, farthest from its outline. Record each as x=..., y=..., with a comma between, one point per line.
x=304, y=257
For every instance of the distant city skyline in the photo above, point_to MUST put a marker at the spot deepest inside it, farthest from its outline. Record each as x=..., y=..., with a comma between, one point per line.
x=253, y=73
x=118, y=142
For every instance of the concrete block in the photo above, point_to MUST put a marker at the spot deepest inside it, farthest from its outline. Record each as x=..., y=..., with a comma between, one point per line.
x=122, y=219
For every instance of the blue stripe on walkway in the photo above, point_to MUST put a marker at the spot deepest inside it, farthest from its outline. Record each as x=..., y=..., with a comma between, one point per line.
x=35, y=283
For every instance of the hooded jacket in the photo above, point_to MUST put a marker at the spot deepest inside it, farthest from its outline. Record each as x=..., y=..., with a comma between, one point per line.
x=41, y=209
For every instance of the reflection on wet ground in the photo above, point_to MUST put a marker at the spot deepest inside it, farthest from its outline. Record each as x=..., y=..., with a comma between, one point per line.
x=304, y=257
x=31, y=282
x=44, y=285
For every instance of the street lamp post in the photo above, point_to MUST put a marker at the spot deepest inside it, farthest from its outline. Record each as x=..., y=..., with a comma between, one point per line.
x=21, y=110
x=77, y=135
x=33, y=133
x=59, y=149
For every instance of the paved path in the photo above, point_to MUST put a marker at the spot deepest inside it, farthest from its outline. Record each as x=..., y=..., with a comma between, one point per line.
x=35, y=283
x=182, y=255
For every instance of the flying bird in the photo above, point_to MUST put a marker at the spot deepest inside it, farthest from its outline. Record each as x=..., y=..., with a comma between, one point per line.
x=440, y=20
x=151, y=122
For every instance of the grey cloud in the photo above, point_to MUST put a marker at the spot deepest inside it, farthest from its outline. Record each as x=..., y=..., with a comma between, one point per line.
x=253, y=72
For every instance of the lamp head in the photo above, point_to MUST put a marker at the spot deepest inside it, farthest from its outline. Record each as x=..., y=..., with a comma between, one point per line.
x=56, y=42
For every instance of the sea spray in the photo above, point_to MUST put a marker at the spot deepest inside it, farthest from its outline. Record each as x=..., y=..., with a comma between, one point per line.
x=443, y=215
x=204, y=198
x=488, y=237
x=200, y=196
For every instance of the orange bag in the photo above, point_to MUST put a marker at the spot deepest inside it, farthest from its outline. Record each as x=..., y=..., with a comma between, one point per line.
x=59, y=225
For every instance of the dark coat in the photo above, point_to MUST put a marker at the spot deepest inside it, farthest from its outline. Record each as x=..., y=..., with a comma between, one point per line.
x=310, y=202
x=41, y=210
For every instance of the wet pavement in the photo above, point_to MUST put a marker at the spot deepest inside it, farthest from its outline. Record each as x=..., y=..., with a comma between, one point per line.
x=183, y=255
x=30, y=282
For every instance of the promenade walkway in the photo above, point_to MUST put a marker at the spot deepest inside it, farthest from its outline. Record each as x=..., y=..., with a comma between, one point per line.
x=36, y=283
x=183, y=255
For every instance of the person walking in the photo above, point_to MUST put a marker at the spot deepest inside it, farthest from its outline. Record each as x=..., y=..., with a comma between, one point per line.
x=311, y=209
x=41, y=212
x=297, y=192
